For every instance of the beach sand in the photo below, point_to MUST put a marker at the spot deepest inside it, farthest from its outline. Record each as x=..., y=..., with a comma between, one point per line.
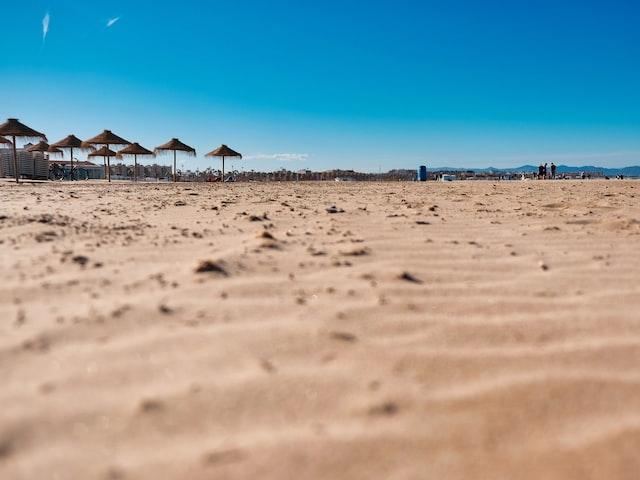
x=472, y=330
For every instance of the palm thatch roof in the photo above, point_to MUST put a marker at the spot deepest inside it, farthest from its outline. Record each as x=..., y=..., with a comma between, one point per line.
x=13, y=128
x=134, y=149
x=41, y=146
x=176, y=145
x=54, y=150
x=4, y=141
x=72, y=142
x=223, y=151
x=103, y=152
x=107, y=137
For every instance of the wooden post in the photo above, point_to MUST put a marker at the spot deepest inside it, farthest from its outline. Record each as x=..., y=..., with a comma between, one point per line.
x=108, y=167
x=174, y=167
x=15, y=160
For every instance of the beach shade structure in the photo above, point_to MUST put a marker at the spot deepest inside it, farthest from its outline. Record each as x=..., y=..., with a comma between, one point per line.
x=42, y=147
x=55, y=151
x=175, y=145
x=4, y=143
x=106, y=139
x=72, y=143
x=14, y=129
x=224, y=152
x=105, y=153
x=135, y=149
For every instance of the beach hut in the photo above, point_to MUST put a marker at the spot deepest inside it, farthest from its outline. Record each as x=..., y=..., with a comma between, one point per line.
x=106, y=139
x=135, y=149
x=224, y=152
x=71, y=143
x=175, y=145
x=14, y=129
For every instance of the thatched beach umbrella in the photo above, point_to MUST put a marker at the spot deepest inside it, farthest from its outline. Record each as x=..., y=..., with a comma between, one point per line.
x=42, y=147
x=103, y=152
x=14, y=129
x=175, y=145
x=135, y=149
x=223, y=151
x=106, y=138
x=72, y=143
x=55, y=151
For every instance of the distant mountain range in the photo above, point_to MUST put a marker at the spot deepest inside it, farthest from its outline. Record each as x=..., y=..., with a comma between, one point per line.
x=610, y=172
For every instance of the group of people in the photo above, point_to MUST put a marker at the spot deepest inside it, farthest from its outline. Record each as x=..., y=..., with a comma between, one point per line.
x=543, y=171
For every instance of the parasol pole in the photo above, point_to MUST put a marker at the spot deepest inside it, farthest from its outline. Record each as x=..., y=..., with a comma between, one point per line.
x=135, y=168
x=72, y=164
x=174, y=165
x=15, y=159
x=108, y=166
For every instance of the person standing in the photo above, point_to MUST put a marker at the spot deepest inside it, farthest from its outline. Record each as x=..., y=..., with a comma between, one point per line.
x=554, y=169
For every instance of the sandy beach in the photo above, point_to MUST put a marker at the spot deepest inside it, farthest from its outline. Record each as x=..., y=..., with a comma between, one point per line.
x=472, y=330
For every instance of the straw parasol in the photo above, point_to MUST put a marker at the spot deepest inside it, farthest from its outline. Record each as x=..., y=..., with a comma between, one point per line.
x=42, y=147
x=135, y=149
x=175, y=145
x=106, y=139
x=55, y=151
x=14, y=129
x=223, y=151
x=70, y=143
x=103, y=152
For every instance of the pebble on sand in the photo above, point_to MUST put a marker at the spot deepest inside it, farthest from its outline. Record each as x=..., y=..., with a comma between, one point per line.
x=409, y=277
x=208, y=266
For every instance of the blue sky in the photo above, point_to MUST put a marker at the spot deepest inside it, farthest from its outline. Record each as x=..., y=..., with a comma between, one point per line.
x=381, y=84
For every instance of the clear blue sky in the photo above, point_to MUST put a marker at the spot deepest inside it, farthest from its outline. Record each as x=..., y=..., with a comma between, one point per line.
x=335, y=83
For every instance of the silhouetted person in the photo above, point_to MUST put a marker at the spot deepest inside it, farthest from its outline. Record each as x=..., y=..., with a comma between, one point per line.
x=553, y=170
x=540, y=171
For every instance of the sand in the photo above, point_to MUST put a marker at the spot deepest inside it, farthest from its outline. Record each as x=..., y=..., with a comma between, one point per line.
x=472, y=330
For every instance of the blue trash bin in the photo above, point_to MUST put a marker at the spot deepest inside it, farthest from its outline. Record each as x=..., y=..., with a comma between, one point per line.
x=422, y=173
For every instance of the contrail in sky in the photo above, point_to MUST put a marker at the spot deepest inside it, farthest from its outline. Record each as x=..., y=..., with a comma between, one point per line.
x=45, y=26
x=112, y=22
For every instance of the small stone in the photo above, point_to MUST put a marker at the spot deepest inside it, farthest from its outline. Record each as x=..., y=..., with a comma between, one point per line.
x=334, y=209
x=208, y=266
x=387, y=409
x=80, y=260
x=343, y=336
x=409, y=278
